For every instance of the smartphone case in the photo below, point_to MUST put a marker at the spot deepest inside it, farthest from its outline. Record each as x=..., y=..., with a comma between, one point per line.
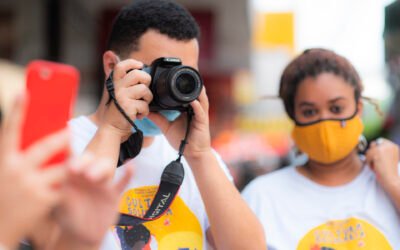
x=51, y=90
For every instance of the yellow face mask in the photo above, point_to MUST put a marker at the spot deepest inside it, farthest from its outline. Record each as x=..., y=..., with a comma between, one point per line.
x=328, y=141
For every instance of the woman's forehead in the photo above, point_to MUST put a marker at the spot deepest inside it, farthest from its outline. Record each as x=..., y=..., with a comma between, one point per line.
x=325, y=87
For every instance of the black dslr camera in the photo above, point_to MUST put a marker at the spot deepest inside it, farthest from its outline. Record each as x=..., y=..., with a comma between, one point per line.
x=173, y=85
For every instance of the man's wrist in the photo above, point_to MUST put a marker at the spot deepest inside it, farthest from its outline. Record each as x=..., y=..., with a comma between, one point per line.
x=199, y=158
x=111, y=131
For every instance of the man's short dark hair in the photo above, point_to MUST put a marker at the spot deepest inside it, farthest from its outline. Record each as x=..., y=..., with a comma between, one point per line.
x=164, y=16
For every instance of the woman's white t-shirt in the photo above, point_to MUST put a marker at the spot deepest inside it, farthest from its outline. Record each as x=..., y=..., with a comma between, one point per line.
x=298, y=213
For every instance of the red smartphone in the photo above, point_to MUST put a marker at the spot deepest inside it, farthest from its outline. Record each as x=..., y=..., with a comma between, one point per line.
x=52, y=89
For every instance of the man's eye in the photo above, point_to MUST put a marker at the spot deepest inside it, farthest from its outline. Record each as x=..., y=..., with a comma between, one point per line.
x=336, y=109
x=309, y=112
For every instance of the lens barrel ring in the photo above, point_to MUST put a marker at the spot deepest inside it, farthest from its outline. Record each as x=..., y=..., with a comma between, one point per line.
x=173, y=78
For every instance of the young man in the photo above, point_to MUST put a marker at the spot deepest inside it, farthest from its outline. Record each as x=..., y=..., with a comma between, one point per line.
x=208, y=209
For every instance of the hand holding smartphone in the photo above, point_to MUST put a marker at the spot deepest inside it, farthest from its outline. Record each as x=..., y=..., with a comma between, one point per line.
x=51, y=89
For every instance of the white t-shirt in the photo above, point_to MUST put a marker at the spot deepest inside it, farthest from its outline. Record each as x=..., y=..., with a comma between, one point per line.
x=298, y=213
x=184, y=224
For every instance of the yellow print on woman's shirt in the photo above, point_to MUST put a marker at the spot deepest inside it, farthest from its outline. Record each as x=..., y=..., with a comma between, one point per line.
x=346, y=234
x=177, y=229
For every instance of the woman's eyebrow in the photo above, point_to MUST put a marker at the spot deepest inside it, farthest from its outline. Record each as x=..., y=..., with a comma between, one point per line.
x=306, y=104
x=336, y=99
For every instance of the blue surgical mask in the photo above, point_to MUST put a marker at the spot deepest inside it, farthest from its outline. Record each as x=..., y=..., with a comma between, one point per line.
x=149, y=128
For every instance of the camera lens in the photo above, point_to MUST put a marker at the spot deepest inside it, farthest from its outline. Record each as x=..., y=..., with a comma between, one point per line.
x=175, y=87
x=185, y=83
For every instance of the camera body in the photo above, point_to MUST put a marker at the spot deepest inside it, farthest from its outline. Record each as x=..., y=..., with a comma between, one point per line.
x=173, y=85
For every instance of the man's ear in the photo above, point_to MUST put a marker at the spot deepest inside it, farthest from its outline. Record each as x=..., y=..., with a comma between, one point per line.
x=110, y=59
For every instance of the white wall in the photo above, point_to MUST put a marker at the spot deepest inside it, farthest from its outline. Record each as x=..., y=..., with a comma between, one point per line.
x=352, y=28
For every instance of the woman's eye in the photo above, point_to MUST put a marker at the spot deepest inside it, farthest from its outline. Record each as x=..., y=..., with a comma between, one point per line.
x=309, y=112
x=336, y=109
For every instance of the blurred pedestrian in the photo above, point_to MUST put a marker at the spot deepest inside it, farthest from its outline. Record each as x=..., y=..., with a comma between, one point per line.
x=64, y=206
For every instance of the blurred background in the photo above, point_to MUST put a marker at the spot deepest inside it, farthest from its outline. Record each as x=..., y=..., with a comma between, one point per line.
x=244, y=47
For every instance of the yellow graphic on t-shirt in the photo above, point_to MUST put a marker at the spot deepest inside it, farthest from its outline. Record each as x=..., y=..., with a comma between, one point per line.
x=346, y=234
x=177, y=229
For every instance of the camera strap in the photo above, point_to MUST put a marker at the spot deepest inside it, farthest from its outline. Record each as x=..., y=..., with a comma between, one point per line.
x=171, y=180
x=131, y=147
x=171, y=177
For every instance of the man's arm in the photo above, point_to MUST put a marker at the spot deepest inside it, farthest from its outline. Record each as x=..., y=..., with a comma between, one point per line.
x=233, y=225
x=106, y=143
x=133, y=95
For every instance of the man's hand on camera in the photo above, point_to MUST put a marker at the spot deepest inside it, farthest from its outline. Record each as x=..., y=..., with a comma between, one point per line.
x=131, y=88
x=199, y=141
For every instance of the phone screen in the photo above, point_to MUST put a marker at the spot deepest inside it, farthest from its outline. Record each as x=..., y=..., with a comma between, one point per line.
x=51, y=89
